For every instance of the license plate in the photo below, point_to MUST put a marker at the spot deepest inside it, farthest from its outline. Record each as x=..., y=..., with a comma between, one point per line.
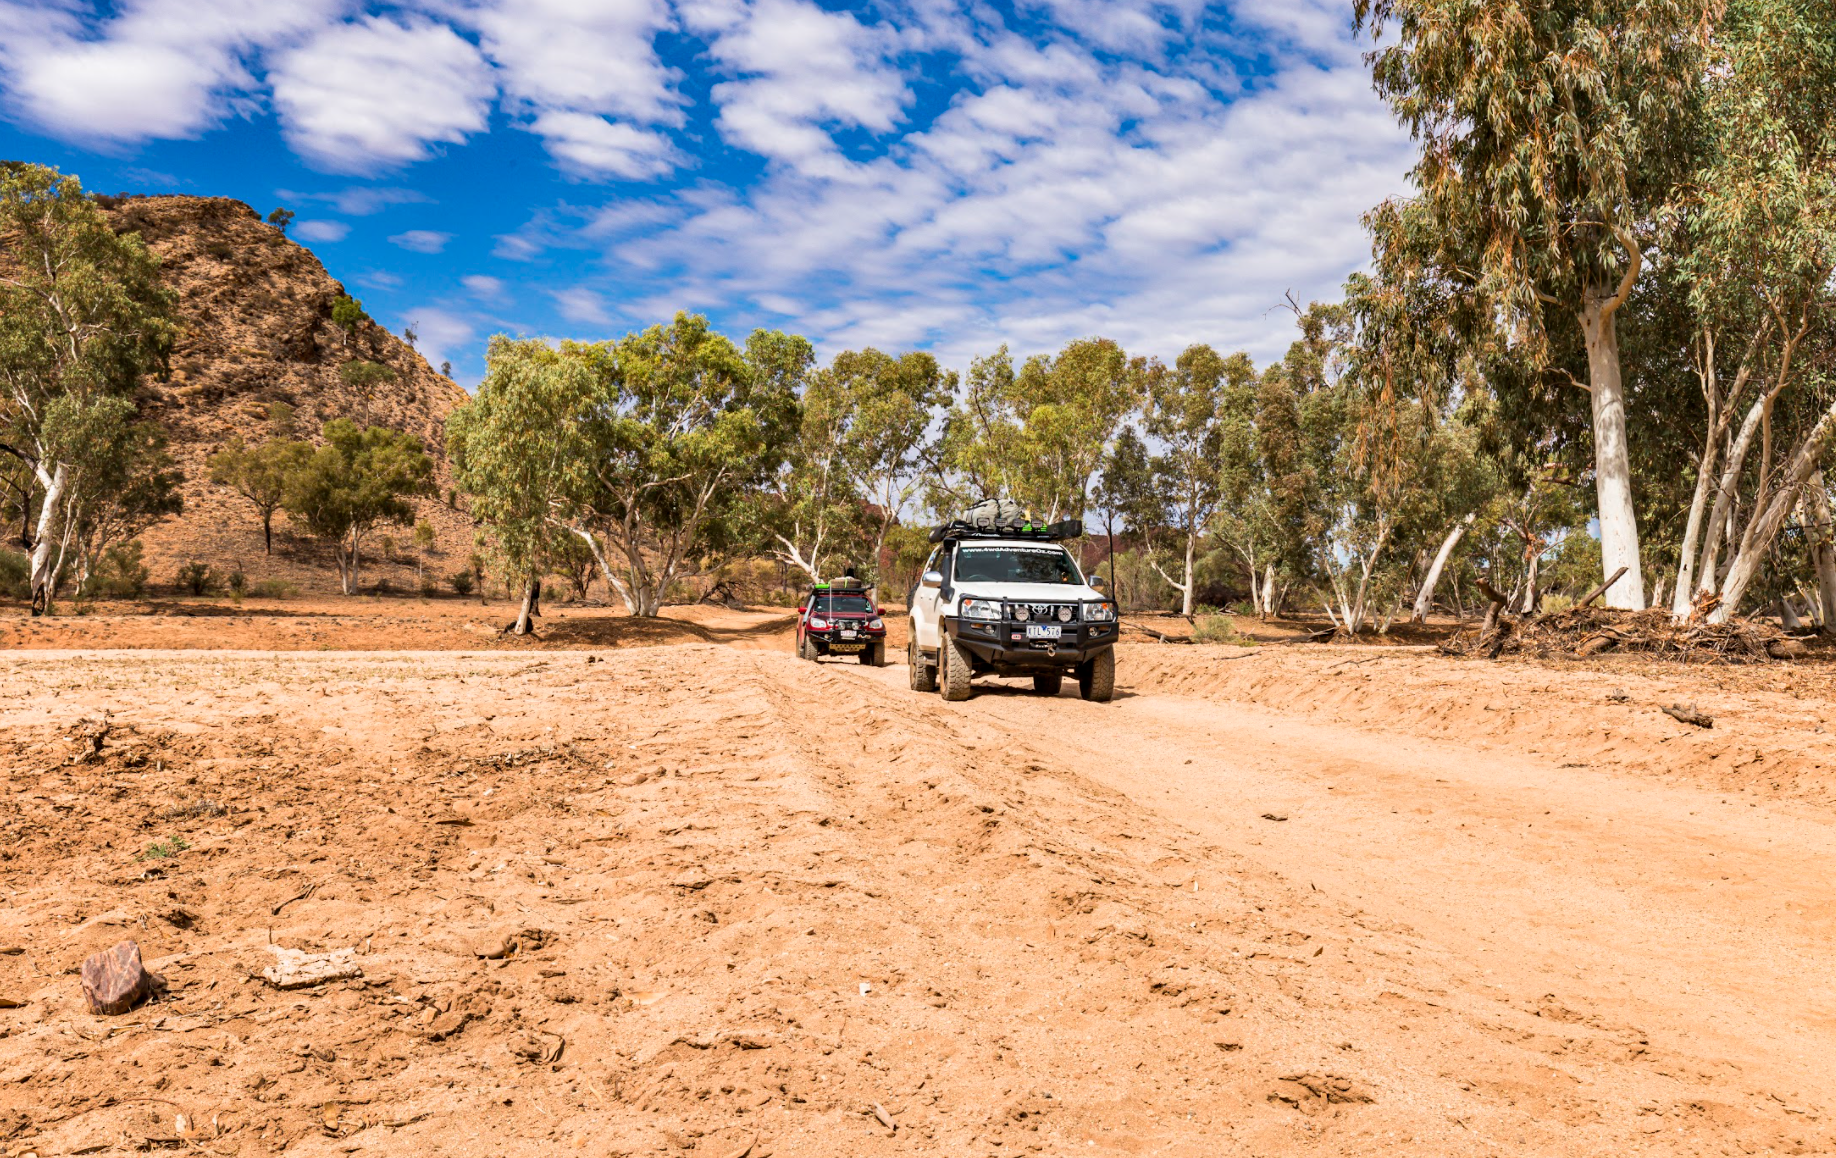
x=1043, y=630
x=847, y=634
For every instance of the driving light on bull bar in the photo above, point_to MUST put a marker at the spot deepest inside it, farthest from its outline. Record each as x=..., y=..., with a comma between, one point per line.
x=1021, y=614
x=1064, y=614
x=981, y=609
x=1100, y=612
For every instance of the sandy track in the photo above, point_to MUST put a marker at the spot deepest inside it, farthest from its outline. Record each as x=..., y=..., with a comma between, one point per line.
x=1070, y=939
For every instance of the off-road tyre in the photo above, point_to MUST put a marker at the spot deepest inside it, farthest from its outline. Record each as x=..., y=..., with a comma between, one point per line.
x=923, y=673
x=954, y=670
x=873, y=655
x=1096, y=678
x=807, y=649
x=1049, y=685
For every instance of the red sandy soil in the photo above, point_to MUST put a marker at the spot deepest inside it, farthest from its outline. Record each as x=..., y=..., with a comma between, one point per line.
x=1271, y=901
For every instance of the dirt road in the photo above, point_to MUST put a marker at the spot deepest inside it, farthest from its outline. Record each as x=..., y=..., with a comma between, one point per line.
x=731, y=903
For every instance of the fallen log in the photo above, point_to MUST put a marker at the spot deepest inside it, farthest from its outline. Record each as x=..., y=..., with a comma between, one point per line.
x=1602, y=589
x=1689, y=714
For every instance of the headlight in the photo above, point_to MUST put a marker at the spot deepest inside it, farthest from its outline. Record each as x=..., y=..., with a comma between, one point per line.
x=980, y=609
x=1100, y=612
x=876, y=625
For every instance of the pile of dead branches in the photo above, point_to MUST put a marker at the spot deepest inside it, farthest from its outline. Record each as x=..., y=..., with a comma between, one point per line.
x=1585, y=630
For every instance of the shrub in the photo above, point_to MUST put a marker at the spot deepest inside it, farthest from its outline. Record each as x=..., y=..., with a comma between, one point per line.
x=429, y=588
x=196, y=578
x=462, y=582
x=15, y=574
x=273, y=589
x=382, y=586
x=122, y=573
x=1215, y=628
x=161, y=849
x=238, y=583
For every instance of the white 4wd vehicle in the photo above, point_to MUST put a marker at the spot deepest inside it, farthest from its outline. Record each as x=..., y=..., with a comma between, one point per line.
x=1012, y=603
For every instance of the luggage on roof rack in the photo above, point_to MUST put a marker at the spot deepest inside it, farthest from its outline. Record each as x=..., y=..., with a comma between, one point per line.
x=1004, y=519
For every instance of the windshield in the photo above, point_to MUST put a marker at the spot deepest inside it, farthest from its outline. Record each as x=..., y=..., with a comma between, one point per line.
x=843, y=604
x=1015, y=565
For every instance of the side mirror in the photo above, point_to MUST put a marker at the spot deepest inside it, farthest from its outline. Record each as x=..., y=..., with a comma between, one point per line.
x=932, y=579
x=1098, y=583
x=879, y=611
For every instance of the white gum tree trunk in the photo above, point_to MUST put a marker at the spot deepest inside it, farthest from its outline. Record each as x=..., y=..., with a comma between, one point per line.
x=1612, y=458
x=1424, y=599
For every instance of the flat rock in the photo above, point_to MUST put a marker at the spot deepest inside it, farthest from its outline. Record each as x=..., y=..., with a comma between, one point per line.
x=297, y=969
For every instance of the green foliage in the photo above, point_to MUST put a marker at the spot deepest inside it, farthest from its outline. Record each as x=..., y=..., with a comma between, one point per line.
x=195, y=578
x=462, y=581
x=238, y=583
x=1038, y=436
x=82, y=318
x=273, y=589
x=259, y=473
x=648, y=449
x=164, y=849
x=364, y=379
x=358, y=480
x=122, y=573
x=347, y=314
x=281, y=219
x=15, y=574
x=1215, y=627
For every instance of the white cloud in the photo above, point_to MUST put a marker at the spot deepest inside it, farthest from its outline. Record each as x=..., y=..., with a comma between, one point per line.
x=801, y=69
x=422, y=240
x=586, y=55
x=372, y=94
x=582, y=306
x=360, y=200
x=151, y=69
x=488, y=289
x=321, y=230
x=1067, y=192
x=590, y=145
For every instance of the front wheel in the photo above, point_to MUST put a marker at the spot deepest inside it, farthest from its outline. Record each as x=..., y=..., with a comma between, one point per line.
x=806, y=648
x=1048, y=685
x=954, y=670
x=1096, y=678
x=922, y=674
x=873, y=655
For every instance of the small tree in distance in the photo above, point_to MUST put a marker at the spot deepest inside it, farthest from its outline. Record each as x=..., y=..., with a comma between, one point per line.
x=347, y=314
x=259, y=474
x=364, y=379
x=358, y=480
x=281, y=219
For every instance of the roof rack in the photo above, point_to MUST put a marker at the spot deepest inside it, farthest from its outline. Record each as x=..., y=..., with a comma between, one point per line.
x=845, y=583
x=1052, y=533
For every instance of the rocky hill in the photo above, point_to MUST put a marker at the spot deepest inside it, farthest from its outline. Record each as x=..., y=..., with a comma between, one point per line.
x=255, y=311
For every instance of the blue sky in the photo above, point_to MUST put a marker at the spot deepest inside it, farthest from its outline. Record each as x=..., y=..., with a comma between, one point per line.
x=909, y=174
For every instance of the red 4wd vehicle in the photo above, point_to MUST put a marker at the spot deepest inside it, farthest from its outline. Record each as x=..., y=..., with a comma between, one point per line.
x=838, y=619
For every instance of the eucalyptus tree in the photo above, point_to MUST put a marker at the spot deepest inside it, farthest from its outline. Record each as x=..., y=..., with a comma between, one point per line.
x=1039, y=434
x=518, y=452
x=1186, y=415
x=642, y=448
x=357, y=480
x=1552, y=134
x=1757, y=236
x=82, y=318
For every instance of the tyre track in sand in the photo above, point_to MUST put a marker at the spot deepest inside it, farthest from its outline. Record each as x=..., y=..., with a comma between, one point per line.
x=1702, y=925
